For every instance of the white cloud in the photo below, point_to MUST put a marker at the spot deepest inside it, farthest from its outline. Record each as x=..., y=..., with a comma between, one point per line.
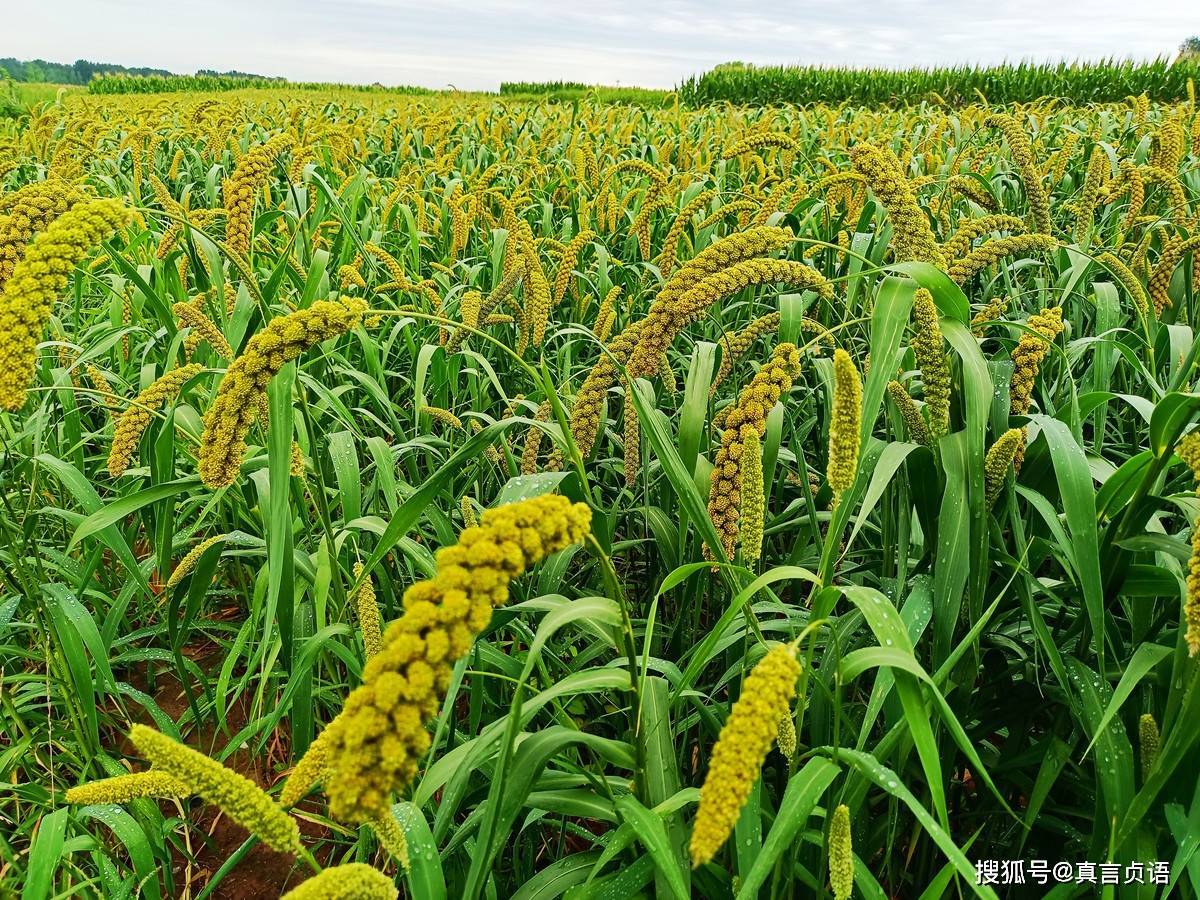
x=475, y=45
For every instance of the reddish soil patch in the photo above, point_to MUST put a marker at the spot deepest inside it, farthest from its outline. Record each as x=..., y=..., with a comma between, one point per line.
x=263, y=873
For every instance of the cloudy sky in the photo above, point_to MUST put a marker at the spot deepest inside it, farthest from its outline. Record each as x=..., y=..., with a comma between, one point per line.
x=474, y=44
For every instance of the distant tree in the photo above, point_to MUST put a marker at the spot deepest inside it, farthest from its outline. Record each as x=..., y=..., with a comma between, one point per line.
x=84, y=71
x=1190, y=49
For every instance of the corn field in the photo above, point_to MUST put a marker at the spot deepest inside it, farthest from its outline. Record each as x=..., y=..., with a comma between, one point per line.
x=462, y=497
x=1079, y=82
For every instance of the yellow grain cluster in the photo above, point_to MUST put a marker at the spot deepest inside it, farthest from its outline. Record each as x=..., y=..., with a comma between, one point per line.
x=753, y=406
x=1188, y=450
x=191, y=316
x=912, y=237
x=133, y=422
x=930, y=351
x=349, y=881
x=28, y=211
x=190, y=559
x=236, y=796
x=42, y=272
x=369, y=622
x=123, y=788
x=910, y=414
x=841, y=854
x=844, y=424
x=1031, y=176
x=374, y=745
x=242, y=189
x=997, y=461
x=744, y=742
x=245, y=383
x=733, y=347
x=991, y=252
x=753, y=508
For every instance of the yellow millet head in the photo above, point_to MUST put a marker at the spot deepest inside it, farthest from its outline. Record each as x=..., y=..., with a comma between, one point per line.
x=753, y=142
x=667, y=258
x=1168, y=147
x=1127, y=280
x=1062, y=156
x=1132, y=183
x=467, y=507
x=380, y=736
x=312, y=767
x=912, y=238
x=350, y=881
x=296, y=461
x=537, y=290
x=930, y=351
x=28, y=211
x=1031, y=176
x=1147, y=743
x=37, y=279
x=1191, y=606
x=100, y=383
x=460, y=227
x=242, y=188
x=960, y=244
x=245, y=383
x=997, y=460
x=721, y=255
x=664, y=322
x=991, y=252
x=238, y=797
x=589, y=400
x=993, y=310
x=844, y=423
x=1094, y=182
x=369, y=621
x=133, y=422
x=786, y=739
x=1188, y=449
x=469, y=307
x=631, y=461
x=753, y=502
x=123, y=788
x=350, y=275
x=738, y=755
x=391, y=836
x=753, y=406
x=444, y=416
x=841, y=854
x=1173, y=251
x=191, y=558
x=533, y=440
x=734, y=346
x=970, y=188
x=1028, y=355
x=909, y=413
x=606, y=315
x=191, y=316
x=566, y=265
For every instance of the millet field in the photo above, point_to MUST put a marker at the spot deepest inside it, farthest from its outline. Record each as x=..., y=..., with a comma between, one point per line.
x=458, y=496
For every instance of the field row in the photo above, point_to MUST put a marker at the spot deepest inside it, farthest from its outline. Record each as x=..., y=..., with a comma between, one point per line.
x=526, y=499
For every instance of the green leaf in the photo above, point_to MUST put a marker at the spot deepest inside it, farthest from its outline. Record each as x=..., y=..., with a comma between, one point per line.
x=653, y=834
x=886, y=779
x=45, y=854
x=424, y=873
x=803, y=791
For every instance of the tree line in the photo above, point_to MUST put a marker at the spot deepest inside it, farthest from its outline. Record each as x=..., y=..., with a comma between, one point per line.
x=82, y=70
